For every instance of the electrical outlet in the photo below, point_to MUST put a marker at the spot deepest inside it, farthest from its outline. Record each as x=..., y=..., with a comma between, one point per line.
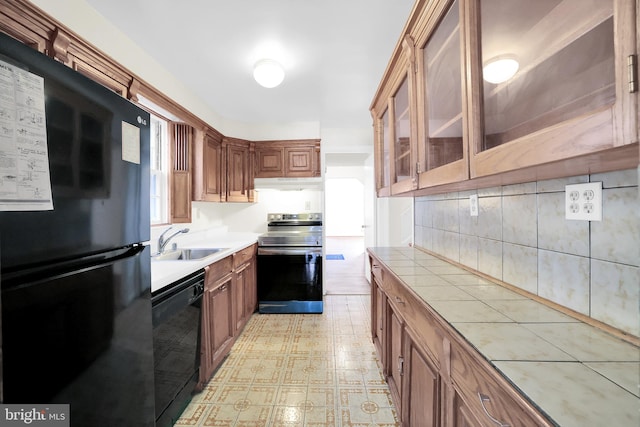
x=584, y=201
x=473, y=205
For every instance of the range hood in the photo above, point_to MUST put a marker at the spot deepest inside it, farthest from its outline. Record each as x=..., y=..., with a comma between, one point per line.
x=288, y=184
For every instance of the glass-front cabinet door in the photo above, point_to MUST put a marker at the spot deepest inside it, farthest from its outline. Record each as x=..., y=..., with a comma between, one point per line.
x=442, y=146
x=553, y=79
x=384, y=166
x=395, y=131
x=402, y=133
x=488, y=92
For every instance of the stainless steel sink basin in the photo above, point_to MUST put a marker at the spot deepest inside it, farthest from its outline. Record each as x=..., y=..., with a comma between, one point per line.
x=187, y=254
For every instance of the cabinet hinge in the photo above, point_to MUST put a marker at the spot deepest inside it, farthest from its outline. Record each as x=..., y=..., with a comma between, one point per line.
x=418, y=170
x=632, y=68
x=401, y=365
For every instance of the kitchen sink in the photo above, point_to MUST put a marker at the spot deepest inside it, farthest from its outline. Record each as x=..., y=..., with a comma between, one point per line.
x=186, y=254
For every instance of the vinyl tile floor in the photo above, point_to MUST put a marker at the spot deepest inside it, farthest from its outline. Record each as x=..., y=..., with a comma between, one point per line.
x=299, y=370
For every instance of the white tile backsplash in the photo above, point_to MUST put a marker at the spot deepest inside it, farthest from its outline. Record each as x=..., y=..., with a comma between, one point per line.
x=519, y=223
x=555, y=232
x=613, y=301
x=564, y=278
x=489, y=217
x=521, y=237
x=615, y=238
x=469, y=251
x=490, y=257
x=520, y=266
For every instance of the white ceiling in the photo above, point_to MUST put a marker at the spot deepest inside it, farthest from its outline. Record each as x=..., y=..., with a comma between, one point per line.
x=334, y=52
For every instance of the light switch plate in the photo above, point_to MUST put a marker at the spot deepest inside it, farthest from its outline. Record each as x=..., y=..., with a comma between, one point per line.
x=473, y=205
x=584, y=201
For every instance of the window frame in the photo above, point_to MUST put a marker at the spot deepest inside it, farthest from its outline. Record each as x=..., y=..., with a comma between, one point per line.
x=159, y=168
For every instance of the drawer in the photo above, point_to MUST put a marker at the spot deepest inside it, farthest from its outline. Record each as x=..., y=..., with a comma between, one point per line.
x=376, y=270
x=243, y=256
x=218, y=269
x=427, y=330
x=491, y=398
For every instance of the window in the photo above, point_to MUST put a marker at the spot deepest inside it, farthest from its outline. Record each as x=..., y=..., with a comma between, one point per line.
x=159, y=166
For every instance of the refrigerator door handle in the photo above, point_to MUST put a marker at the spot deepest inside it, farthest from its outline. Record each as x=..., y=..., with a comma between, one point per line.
x=38, y=273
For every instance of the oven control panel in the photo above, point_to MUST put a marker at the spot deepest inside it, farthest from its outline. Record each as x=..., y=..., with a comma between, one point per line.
x=306, y=216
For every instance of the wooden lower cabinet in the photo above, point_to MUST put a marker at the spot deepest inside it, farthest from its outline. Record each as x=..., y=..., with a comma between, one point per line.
x=246, y=297
x=413, y=379
x=486, y=394
x=378, y=317
x=462, y=416
x=245, y=285
x=421, y=387
x=230, y=298
x=238, y=300
x=395, y=362
x=250, y=289
x=435, y=377
x=217, y=324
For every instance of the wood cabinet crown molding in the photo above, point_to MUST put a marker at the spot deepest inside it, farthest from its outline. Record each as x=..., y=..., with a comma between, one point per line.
x=29, y=24
x=60, y=45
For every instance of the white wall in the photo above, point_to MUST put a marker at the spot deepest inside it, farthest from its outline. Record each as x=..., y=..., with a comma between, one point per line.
x=252, y=217
x=344, y=211
x=346, y=140
x=394, y=221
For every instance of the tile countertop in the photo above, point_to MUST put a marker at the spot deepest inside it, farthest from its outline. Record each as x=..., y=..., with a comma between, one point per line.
x=164, y=273
x=575, y=373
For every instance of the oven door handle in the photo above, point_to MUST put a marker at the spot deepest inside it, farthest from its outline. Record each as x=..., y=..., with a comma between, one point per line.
x=290, y=251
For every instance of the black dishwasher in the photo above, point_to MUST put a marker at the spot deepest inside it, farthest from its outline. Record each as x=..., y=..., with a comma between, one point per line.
x=176, y=345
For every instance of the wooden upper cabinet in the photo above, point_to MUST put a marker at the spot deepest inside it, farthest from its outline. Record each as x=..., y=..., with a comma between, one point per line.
x=570, y=94
x=442, y=112
x=292, y=158
x=394, y=125
x=571, y=107
x=269, y=161
x=402, y=134
x=382, y=152
x=181, y=170
x=24, y=22
x=222, y=168
x=208, y=167
x=299, y=161
x=239, y=174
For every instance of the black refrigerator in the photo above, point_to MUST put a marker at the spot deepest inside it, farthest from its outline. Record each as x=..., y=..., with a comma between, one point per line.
x=76, y=279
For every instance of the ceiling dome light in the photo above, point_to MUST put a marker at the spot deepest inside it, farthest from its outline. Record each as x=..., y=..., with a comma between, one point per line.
x=500, y=69
x=268, y=73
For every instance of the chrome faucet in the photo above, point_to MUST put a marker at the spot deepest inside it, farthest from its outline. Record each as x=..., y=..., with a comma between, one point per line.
x=162, y=242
